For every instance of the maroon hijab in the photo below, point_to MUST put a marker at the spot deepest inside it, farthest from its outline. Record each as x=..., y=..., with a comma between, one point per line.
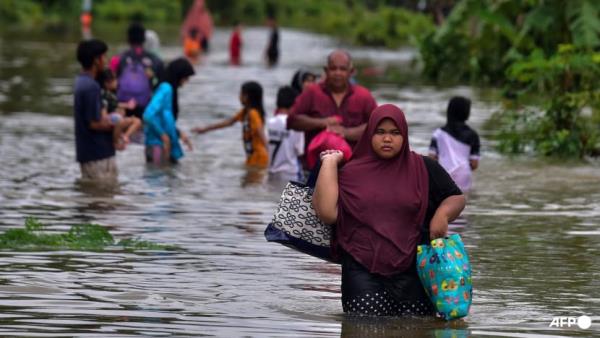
x=382, y=203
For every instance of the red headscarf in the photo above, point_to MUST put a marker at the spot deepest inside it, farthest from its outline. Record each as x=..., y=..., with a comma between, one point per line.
x=382, y=202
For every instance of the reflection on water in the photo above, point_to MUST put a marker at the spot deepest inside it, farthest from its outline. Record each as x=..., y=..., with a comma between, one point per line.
x=531, y=227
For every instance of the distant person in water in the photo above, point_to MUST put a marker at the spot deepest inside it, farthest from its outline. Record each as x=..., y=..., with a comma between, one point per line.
x=114, y=111
x=456, y=145
x=235, y=45
x=139, y=71
x=302, y=79
x=152, y=42
x=324, y=105
x=285, y=146
x=252, y=117
x=272, y=50
x=191, y=45
x=160, y=117
x=94, y=145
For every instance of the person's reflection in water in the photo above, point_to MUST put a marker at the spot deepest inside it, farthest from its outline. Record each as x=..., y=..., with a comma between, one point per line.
x=371, y=326
x=98, y=195
x=253, y=176
x=161, y=207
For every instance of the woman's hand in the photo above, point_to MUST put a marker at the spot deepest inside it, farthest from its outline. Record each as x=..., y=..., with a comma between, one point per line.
x=438, y=228
x=332, y=155
x=186, y=140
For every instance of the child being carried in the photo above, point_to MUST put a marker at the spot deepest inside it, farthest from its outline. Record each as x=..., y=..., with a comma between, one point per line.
x=113, y=111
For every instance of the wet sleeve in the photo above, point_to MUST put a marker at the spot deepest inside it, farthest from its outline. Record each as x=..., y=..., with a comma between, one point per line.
x=475, y=147
x=153, y=112
x=441, y=185
x=301, y=106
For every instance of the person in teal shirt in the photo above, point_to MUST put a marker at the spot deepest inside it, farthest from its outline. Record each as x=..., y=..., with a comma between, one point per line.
x=160, y=116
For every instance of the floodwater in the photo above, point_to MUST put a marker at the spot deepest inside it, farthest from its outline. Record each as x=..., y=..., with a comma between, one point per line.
x=532, y=226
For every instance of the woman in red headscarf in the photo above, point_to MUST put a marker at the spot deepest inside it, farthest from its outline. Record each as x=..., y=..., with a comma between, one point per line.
x=384, y=202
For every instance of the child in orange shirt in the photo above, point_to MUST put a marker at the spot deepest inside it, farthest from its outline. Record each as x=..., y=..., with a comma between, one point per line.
x=252, y=116
x=191, y=45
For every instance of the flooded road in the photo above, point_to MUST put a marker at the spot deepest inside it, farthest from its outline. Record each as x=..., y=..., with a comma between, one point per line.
x=532, y=226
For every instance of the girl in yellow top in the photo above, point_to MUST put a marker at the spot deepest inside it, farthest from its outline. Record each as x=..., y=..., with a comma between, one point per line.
x=252, y=117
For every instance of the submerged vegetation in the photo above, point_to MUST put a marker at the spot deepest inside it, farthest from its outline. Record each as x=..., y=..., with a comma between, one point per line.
x=545, y=50
x=92, y=237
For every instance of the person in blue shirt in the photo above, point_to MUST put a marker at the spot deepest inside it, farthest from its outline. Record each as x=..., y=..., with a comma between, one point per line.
x=162, y=136
x=94, y=146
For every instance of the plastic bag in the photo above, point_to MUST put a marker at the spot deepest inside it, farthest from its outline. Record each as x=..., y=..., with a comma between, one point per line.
x=445, y=272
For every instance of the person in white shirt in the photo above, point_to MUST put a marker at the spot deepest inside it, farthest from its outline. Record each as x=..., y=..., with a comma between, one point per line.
x=285, y=146
x=456, y=145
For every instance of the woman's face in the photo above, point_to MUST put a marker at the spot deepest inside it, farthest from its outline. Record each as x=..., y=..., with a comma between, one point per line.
x=387, y=140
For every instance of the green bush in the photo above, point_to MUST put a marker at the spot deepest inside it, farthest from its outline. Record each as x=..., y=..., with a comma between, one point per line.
x=569, y=124
x=19, y=11
x=146, y=10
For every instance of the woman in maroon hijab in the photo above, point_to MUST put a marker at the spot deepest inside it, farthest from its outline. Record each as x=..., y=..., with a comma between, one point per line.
x=384, y=202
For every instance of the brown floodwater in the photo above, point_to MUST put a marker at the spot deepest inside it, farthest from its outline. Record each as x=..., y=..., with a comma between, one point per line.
x=532, y=225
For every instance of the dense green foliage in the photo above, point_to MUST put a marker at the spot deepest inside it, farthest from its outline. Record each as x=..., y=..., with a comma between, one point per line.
x=482, y=38
x=569, y=124
x=366, y=22
x=79, y=237
x=534, y=48
x=30, y=12
x=370, y=23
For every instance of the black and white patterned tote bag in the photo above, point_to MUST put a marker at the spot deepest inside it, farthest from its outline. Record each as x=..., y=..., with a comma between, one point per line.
x=296, y=225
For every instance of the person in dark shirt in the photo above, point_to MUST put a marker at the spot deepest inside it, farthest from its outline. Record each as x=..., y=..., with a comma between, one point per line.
x=384, y=202
x=93, y=134
x=272, y=51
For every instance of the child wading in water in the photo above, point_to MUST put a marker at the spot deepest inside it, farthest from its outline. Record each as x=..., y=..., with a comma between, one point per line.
x=456, y=145
x=113, y=111
x=252, y=117
x=285, y=146
x=160, y=117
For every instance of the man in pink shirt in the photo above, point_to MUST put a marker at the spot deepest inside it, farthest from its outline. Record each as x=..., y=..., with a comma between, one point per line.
x=315, y=109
